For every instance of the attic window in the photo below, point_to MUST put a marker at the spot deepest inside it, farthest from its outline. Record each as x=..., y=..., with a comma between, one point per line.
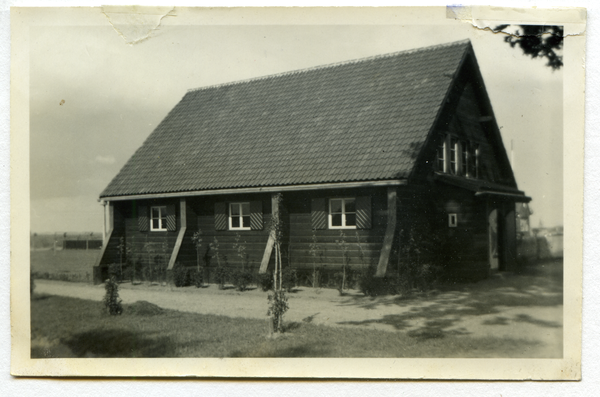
x=441, y=154
x=342, y=213
x=457, y=157
x=239, y=216
x=464, y=158
x=454, y=156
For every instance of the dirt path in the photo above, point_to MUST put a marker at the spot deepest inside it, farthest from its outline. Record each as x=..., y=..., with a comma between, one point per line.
x=504, y=306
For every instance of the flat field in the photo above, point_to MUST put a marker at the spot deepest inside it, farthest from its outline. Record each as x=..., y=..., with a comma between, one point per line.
x=67, y=265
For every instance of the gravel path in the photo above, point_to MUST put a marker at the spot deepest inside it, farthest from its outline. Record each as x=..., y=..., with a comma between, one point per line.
x=513, y=307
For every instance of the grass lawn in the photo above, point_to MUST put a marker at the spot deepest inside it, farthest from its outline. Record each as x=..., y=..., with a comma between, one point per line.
x=69, y=327
x=68, y=265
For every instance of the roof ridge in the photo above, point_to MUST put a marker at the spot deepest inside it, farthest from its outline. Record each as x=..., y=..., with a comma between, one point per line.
x=330, y=65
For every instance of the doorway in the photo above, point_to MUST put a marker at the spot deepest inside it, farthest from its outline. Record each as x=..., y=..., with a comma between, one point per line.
x=494, y=252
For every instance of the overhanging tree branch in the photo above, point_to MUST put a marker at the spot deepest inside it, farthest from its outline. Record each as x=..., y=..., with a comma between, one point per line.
x=537, y=41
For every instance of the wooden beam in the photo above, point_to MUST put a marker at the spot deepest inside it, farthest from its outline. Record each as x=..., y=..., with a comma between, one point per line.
x=264, y=264
x=390, y=231
x=182, y=229
x=264, y=189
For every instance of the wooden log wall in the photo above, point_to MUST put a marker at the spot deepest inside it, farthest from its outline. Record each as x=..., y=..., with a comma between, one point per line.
x=201, y=217
x=464, y=248
x=330, y=254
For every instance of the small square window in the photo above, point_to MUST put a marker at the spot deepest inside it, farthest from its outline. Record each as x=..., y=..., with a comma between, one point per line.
x=342, y=213
x=452, y=220
x=239, y=216
x=158, y=219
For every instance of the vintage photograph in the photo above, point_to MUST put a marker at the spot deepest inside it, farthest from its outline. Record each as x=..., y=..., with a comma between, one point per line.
x=285, y=190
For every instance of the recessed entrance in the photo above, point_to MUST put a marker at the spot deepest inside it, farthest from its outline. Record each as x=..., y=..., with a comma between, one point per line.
x=493, y=240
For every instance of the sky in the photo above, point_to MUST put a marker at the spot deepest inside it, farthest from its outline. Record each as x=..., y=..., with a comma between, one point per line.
x=94, y=99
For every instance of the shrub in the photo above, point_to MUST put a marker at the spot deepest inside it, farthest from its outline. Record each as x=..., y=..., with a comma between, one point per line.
x=111, y=300
x=289, y=278
x=420, y=255
x=138, y=270
x=241, y=279
x=221, y=276
x=180, y=276
x=341, y=281
x=371, y=285
x=315, y=251
x=265, y=280
x=115, y=270
x=128, y=273
x=344, y=279
x=277, y=307
x=196, y=278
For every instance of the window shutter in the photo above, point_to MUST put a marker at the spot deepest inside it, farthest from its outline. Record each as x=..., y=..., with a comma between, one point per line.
x=220, y=216
x=256, y=215
x=143, y=220
x=171, y=218
x=318, y=213
x=363, y=212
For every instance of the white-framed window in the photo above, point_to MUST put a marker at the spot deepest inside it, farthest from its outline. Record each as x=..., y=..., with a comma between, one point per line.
x=441, y=154
x=473, y=166
x=457, y=157
x=454, y=156
x=342, y=213
x=464, y=158
x=239, y=216
x=158, y=218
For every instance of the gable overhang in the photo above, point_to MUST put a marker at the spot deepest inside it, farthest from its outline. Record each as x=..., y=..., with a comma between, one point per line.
x=518, y=198
x=260, y=189
x=482, y=188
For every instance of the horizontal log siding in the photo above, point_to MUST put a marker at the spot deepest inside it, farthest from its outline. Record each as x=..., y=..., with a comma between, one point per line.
x=330, y=255
x=424, y=207
x=465, y=247
x=201, y=217
x=136, y=241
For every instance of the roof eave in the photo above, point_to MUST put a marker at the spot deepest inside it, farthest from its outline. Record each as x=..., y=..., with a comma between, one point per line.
x=260, y=189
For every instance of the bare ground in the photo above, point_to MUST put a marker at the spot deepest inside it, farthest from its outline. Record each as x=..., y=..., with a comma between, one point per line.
x=527, y=306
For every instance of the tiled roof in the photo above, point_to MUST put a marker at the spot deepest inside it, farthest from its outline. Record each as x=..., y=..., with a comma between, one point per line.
x=354, y=121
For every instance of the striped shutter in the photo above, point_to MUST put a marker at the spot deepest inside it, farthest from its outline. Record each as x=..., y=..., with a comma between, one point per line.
x=220, y=216
x=171, y=218
x=256, y=215
x=363, y=212
x=143, y=220
x=318, y=213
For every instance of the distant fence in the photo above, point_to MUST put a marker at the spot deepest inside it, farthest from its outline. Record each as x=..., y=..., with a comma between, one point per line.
x=66, y=241
x=541, y=246
x=82, y=244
